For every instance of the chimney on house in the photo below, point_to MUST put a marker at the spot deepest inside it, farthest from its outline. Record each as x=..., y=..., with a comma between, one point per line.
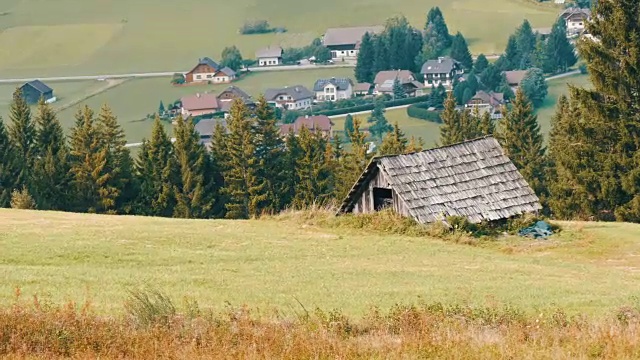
x=440, y=60
x=306, y=116
x=198, y=95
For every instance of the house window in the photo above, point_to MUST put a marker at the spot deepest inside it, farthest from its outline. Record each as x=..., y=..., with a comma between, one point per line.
x=330, y=90
x=209, y=76
x=198, y=77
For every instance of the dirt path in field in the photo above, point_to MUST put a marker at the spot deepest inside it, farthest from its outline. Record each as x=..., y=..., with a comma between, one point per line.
x=108, y=84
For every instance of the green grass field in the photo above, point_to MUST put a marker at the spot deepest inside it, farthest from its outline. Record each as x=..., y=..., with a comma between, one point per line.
x=76, y=37
x=589, y=267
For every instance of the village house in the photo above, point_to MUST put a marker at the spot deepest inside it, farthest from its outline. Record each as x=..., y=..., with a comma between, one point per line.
x=208, y=71
x=295, y=97
x=383, y=83
x=226, y=97
x=199, y=104
x=442, y=70
x=36, y=89
x=514, y=78
x=576, y=20
x=269, y=56
x=317, y=123
x=333, y=89
x=362, y=89
x=472, y=179
x=344, y=43
x=205, y=129
x=491, y=102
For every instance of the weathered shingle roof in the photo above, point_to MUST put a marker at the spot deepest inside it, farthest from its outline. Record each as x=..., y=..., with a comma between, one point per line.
x=442, y=65
x=348, y=35
x=297, y=92
x=473, y=179
x=339, y=83
x=269, y=52
x=39, y=86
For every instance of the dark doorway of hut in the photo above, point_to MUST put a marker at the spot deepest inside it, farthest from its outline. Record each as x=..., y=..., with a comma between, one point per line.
x=382, y=198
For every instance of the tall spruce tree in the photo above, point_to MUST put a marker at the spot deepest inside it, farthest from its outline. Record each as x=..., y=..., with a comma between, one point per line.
x=460, y=51
x=436, y=27
x=9, y=168
x=398, y=89
x=487, y=127
x=219, y=161
x=118, y=192
x=269, y=153
x=88, y=163
x=526, y=40
x=51, y=180
x=192, y=192
x=348, y=125
x=512, y=55
x=415, y=145
x=243, y=187
x=313, y=185
x=364, y=71
x=292, y=155
x=480, y=64
x=534, y=86
x=519, y=134
x=156, y=171
x=22, y=133
x=354, y=161
x=381, y=54
x=559, y=54
x=379, y=124
x=450, y=131
x=607, y=115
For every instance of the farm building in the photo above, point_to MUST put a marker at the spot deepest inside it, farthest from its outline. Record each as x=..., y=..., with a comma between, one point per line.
x=36, y=89
x=473, y=179
x=209, y=71
x=344, y=43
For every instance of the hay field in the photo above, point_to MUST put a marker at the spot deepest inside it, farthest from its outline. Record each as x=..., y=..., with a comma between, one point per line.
x=78, y=37
x=589, y=268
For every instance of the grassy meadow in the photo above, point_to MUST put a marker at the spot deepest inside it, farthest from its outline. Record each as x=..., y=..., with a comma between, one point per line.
x=77, y=37
x=324, y=262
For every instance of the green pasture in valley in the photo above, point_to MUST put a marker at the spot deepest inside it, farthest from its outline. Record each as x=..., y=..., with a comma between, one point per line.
x=79, y=37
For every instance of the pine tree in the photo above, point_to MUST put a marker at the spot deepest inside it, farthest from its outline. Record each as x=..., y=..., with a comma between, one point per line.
x=486, y=124
x=292, y=155
x=380, y=125
x=450, y=131
x=460, y=51
x=519, y=134
x=88, y=160
x=348, y=125
x=480, y=64
x=156, y=170
x=22, y=133
x=51, y=181
x=491, y=77
x=269, y=153
x=312, y=173
x=9, y=168
x=526, y=40
x=219, y=160
x=415, y=145
x=512, y=55
x=560, y=54
x=364, y=71
x=534, y=86
x=469, y=126
x=243, y=187
x=118, y=192
x=398, y=89
x=193, y=196
x=381, y=54
x=394, y=143
x=161, y=109
x=354, y=162
x=438, y=28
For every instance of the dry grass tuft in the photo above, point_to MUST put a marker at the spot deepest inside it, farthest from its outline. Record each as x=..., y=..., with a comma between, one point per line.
x=414, y=331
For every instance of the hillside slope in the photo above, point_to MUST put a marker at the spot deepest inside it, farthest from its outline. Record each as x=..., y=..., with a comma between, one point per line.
x=589, y=267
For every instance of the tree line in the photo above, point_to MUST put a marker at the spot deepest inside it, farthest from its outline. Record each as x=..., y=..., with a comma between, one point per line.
x=249, y=170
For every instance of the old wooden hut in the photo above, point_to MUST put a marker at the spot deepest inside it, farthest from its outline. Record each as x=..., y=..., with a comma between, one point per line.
x=473, y=179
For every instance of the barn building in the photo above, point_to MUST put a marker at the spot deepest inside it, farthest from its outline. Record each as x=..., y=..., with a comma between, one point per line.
x=36, y=89
x=472, y=179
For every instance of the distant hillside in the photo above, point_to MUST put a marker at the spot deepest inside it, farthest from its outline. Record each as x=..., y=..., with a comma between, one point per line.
x=589, y=267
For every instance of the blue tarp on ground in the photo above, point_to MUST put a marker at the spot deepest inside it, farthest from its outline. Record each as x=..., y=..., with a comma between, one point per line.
x=540, y=230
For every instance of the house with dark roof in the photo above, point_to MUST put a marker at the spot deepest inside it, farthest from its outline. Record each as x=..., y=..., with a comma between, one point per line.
x=206, y=127
x=209, y=71
x=473, y=179
x=269, y=56
x=491, y=102
x=36, y=89
x=199, y=104
x=317, y=123
x=514, y=78
x=383, y=83
x=362, y=89
x=295, y=97
x=344, y=43
x=443, y=70
x=333, y=89
x=576, y=20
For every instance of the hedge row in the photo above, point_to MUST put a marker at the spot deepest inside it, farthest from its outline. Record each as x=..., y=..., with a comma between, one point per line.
x=367, y=107
x=419, y=111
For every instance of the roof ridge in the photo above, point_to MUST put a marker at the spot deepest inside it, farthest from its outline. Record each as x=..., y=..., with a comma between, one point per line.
x=436, y=148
